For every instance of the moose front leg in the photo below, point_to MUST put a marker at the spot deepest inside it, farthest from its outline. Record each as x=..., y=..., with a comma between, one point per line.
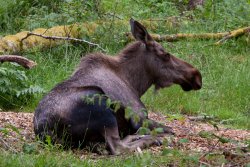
x=112, y=138
x=128, y=144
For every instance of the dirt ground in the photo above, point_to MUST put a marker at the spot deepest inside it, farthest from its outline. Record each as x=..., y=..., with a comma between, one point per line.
x=191, y=135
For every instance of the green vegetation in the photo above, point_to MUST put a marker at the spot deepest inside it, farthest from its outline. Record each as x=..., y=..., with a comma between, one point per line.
x=225, y=92
x=225, y=68
x=15, y=88
x=65, y=159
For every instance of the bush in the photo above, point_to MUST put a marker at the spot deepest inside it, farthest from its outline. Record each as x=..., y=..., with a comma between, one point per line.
x=13, y=13
x=225, y=14
x=15, y=89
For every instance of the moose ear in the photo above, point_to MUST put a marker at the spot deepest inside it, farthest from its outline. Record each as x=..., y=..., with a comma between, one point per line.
x=139, y=31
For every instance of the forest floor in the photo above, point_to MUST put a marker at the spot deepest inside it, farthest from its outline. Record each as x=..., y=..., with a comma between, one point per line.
x=195, y=135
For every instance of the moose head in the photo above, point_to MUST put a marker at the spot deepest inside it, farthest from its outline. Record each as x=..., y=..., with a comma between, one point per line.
x=165, y=68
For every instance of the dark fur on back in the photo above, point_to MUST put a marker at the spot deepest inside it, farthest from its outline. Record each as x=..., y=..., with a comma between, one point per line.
x=55, y=109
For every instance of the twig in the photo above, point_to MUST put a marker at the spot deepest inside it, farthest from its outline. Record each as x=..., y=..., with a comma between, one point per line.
x=42, y=34
x=166, y=19
x=112, y=15
x=63, y=38
x=210, y=151
x=200, y=118
x=7, y=146
x=26, y=63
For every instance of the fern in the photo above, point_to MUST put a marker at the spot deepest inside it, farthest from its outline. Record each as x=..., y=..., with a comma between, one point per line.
x=31, y=90
x=15, y=87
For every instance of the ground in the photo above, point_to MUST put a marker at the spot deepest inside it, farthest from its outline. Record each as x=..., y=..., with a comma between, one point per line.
x=192, y=133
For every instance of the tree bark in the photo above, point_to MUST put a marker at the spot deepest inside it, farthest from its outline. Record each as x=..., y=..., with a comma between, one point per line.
x=26, y=63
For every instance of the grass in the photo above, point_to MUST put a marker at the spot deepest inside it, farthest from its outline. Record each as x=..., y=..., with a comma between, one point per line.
x=225, y=92
x=68, y=158
x=225, y=68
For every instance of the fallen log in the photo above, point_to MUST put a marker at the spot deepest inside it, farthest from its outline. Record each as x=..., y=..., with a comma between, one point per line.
x=221, y=36
x=24, y=40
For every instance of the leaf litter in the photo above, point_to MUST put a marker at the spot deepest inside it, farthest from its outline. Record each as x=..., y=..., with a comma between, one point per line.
x=16, y=131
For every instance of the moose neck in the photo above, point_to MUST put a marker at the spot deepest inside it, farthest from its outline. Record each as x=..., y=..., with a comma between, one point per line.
x=132, y=67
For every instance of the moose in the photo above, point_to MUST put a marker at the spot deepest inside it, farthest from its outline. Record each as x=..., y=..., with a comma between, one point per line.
x=67, y=118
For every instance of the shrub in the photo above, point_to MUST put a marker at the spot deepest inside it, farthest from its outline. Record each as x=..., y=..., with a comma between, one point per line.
x=15, y=88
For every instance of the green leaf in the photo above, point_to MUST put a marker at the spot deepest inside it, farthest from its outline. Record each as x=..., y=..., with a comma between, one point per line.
x=117, y=106
x=3, y=71
x=183, y=140
x=48, y=140
x=12, y=127
x=128, y=112
x=5, y=131
x=29, y=148
x=143, y=131
x=156, y=131
x=108, y=102
x=159, y=130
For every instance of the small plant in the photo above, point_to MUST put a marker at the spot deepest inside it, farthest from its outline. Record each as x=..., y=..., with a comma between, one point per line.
x=15, y=89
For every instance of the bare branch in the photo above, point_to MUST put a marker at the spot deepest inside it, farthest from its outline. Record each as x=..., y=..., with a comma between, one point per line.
x=6, y=146
x=26, y=63
x=63, y=38
x=112, y=15
x=200, y=118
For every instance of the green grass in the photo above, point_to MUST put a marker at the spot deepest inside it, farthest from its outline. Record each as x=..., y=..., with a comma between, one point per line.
x=225, y=92
x=225, y=68
x=68, y=158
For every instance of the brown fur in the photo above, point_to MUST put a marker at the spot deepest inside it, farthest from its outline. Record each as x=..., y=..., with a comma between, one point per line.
x=124, y=78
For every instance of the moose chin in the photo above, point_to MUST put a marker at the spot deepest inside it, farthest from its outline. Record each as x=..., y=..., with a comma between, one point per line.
x=69, y=119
